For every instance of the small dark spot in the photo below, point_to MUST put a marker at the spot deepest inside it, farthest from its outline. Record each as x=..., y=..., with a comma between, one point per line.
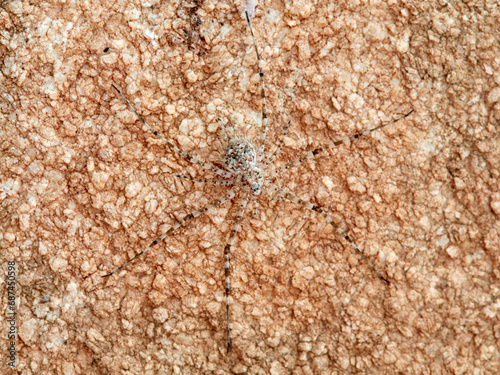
x=106, y=49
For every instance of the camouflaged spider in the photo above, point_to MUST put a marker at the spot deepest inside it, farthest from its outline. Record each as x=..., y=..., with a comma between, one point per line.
x=246, y=171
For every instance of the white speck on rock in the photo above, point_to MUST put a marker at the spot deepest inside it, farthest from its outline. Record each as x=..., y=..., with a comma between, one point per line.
x=191, y=76
x=132, y=189
x=10, y=186
x=58, y=263
x=494, y=95
x=457, y=278
x=459, y=183
x=24, y=222
x=495, y=206
x=356, y=101
x=375, y=31
x=28, y=329
x=184, y=127
x=453, y=251
x=42, y=248
x=425, y=223
x=354, y=185
x=327, y=181
x=85, y=266
x=99, y=179
x=170, y=108
x=492, y=309
x=9, y=237
x=300, y=8
x=68, y=368
x=160, y=314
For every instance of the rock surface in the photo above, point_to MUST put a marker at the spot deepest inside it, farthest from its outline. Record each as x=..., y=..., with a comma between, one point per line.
x=84, y=187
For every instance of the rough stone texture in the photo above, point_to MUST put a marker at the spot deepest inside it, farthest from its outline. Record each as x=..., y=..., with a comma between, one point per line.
x=84, y=188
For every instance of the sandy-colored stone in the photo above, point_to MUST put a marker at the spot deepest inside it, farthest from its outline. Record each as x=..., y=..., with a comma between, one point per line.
x=84, y=187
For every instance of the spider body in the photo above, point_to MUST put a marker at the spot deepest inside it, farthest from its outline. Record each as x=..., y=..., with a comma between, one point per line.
x=240, y=158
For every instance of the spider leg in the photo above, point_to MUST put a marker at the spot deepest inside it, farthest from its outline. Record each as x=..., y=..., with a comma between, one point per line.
x=262, y=92
x=314, y=207
x=223, y=126
x=213, y=182
x=213, y=204
x=278, y=150
x=234, y=231
x=311, y=154
x=192, y=159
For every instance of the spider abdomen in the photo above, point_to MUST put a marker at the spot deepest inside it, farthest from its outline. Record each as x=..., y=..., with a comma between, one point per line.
x=241, y=159
x=240, y=156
